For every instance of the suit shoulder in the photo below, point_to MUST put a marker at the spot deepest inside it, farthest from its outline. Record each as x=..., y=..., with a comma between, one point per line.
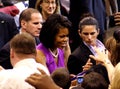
x=6, y=17
x=76, y=51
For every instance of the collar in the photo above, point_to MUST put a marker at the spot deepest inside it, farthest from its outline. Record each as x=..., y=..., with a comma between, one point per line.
x=25, y=62
x=99, y=45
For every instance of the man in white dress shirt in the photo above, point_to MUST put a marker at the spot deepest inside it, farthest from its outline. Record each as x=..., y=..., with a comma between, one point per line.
x=22, y=57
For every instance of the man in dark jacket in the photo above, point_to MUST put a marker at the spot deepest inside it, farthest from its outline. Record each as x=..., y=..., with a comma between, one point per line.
x=30, y=22
x=88, y=31
x=95, y=7
x=7, y=28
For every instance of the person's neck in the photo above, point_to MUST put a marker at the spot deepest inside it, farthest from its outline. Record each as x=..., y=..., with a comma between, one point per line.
x=22, y=30
x=93, y=44
x=45, y=16
x=54, y=52
x=20, y=57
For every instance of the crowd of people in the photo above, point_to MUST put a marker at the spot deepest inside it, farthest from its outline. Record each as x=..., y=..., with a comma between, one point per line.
x=59, y=44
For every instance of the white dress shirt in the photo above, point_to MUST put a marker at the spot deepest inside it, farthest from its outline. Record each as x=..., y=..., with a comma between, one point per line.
x=15, y=78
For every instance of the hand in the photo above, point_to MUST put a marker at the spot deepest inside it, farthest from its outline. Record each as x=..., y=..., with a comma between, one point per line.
x=41, y=81
x=117, y=18
x=73, y=82
x=67, y=52
x=101, y=56
x=88, y=65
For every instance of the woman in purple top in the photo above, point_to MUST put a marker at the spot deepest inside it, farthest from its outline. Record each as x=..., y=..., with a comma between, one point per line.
x=53, y=51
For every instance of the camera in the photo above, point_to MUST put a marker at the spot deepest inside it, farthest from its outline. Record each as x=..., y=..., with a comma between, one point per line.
x=79, y=79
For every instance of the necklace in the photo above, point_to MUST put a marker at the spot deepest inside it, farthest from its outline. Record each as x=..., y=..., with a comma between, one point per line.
x=54, y=55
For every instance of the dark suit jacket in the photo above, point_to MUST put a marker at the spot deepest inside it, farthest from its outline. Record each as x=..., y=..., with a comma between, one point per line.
x=80, y=7
x=77, y=9
x=5, y=56
x=118, y=2
x=78, y=58
x=7, y=28
x=32, y=3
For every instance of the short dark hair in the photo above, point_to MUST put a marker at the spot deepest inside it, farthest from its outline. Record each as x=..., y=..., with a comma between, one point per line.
x=101, y=70
x=61, y=77
x=51, y=27
x=23, y=44
x=26, y=14
x=94, y=80
x=88, y=21
x=116, y=54
x=116, y=34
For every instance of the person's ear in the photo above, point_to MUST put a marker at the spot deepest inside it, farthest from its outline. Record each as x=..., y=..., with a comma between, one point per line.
x=79, y=32
x=12, y=57
x=11, y=53
x=23, y=23
x=98, y=31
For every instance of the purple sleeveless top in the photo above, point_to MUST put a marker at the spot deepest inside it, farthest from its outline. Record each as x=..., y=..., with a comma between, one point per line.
x=51, y=64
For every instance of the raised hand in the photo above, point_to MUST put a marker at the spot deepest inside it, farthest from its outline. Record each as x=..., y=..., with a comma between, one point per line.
x=117, y=18
x=88, y=65
x=101, y=56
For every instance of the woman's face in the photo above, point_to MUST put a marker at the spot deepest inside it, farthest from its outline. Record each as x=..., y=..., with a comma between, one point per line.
x=89, y=34
x=61, y=39
x=48, y=6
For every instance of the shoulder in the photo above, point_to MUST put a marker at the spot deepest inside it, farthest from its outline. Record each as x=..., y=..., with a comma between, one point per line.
x=61, y=51
x=6, y=17
x=41, y=57
x=40, y=53
x=6, y=47
x=13, y=81
x=40, y=46
x=82, y=52
x=41, y=49
x=77, y=51
x=44, y=68
x=75, y=55
x=5, y=50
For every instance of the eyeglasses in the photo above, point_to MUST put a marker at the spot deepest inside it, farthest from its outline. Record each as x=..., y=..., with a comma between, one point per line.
x=48, y=2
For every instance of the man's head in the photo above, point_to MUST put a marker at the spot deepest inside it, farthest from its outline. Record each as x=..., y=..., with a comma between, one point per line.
x=61, y=77
x=94, y=80
x=88, y=30
x=31, y=21
x=22, y=46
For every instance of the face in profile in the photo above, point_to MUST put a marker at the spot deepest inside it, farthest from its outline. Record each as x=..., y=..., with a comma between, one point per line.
x=48, y=7
x=34, y=25
x=61, y=39
x=89, y=34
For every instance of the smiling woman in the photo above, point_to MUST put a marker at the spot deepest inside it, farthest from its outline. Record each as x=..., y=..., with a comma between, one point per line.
x=47, y=7
x=53, y=51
